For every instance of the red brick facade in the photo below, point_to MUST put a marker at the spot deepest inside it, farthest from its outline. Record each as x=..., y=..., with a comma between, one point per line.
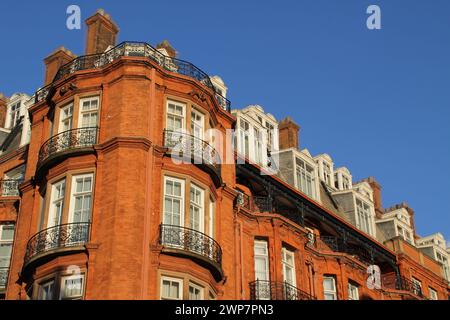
x=124, y=256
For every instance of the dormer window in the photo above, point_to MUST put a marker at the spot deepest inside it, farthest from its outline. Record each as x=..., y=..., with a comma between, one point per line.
x=305, y=178
x=15, y=115
x=326, y=173
x=364, y=217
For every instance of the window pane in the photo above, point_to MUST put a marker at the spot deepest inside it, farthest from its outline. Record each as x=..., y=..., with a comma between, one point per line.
x=7, y=232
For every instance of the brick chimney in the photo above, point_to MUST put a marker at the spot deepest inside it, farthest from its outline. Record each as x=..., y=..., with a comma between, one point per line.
x=166, y=48
x=376, y=187
x=101, y=32
x=54, y=61
x=288, y=133
x=3, y=109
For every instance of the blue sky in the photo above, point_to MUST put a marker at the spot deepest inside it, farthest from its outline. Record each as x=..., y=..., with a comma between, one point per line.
x=377, y=101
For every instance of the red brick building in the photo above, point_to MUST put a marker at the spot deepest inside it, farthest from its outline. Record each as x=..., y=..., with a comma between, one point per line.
x=104, y=211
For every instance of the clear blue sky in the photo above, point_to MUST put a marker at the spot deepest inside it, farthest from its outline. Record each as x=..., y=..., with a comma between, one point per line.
x=377, y=101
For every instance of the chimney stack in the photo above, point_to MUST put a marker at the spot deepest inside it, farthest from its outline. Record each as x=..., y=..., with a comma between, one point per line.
x=101, y=32
x=3, y=107
x=288, y=133
x=54, y=61
x=376, y=187
x=166, y=48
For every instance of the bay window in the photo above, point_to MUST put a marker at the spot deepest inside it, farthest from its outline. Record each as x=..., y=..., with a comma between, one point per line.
x=196, y=208
x=56, y=203
x=173, y=201
x=81, y=198
x=175, y=115
x=66, y=118
x=89, y=112
x=72, y=287
x=195, y=292
x=171, y=288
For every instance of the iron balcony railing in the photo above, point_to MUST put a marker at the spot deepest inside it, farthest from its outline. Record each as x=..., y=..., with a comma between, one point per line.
x=190, y=240
x=335, y=244
x=254, y=203
x=68, y=140
x=57, y=237
x=10, y=187
x=403, y=284
x=3, y=277
x=188, y=146
x=136, y=49
x=271, y=290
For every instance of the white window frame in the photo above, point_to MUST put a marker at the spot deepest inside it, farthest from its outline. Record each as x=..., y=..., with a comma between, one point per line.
x=288, y=267
x=74, y=194
x=51, y=221
x=244, y=139
x=433, y=294
x=417, y=284
x=200, y=206
x=196, y=287
x=171, y=279
x=62, y=293
x=332, y=292
x=200, y=124
x=181, y=198
x=353, y=291
x=15, y=114
x=67, y=118
x=364, y=216
x=90, y=111
x=6, y=242
x=303, y=177
x=212, y=218
x=169, y=114
x=262, y=244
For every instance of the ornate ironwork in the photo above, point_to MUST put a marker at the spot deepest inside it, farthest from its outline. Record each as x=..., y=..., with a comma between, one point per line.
x=3, y=277
x=254, y=203
x=188, y=146
x=67, y=140
x=190, y=240
x=10, y=187
x=136, y=49
x=335, y=244
x=270, y=290
x=403, y=284
x=61, y=236
x=379, y=253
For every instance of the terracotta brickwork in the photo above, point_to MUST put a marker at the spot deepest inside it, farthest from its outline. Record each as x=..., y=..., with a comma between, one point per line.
x=123, y=254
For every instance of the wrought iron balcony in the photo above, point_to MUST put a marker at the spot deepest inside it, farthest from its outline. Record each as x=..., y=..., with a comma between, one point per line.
x=10, y=187
x=3, y=277
x=193, y=242
x=335, y=244
x=58, y=237
x=187, y=147
x=67, y=141
x=253, y=204
x=135, y=49
x=270, y=290
x=403, y=284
